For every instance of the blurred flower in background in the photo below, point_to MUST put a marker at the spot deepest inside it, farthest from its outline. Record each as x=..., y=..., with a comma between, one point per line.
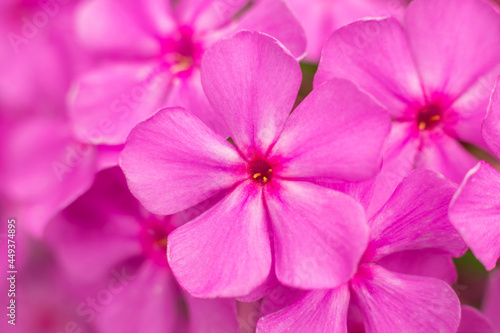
x=76, y=76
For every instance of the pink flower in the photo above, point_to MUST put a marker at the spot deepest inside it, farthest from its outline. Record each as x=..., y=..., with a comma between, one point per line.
x=475, y=212
x=491, y=125
x=434, y=73
x=413, y=219
x=321, y=17
x=271, y=176
x=106, y=239
x=151, y=52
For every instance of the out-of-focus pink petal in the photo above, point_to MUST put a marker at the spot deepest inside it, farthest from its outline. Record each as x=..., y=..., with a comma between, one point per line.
x=206, y=15
x=274, y=18
x=255, y=92
x=491, y=302
x=140, y=302
x=112, y=99
x=421, y=263
x=313, y=227
x=211, y=316
x=399, y=159
x=317, y=312
x=416, y=217
x=125, y=28
x=173, y=161
x=221, y=254
x=475, y=212
x=374, y=54
x=337, y=133
x=393, y=302
x=104, y=223
x=444, y=154
x=473, y=321
x=321, y=17
x=491, y=126
x=108, y=156
x=453, y=43
x=45, y=169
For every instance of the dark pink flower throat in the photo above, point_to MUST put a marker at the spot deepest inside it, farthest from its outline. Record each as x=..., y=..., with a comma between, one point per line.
x=429, y=117
x=261, y=171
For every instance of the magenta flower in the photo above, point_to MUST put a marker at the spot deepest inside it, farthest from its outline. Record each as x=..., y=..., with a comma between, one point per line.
x=491, y=125
x=108, y=240
x=475, y=212
x=151, y=52
x=322, y=17
x=413, y=219
x=271, y=176
x=434, y=73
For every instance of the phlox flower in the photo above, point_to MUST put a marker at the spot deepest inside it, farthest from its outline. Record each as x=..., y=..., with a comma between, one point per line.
x=407, y=299
x=276, y=206
x=150, y=52
x=433, y=72
x=107, y=240
x=475, y=212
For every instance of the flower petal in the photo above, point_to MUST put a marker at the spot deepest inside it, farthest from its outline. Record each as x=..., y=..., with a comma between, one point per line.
x=316, y=312
x=374, y=54
x=415, y=217
x=453, y=43
x=173, y=161
x=224, y=252
x=151, y=286
x=400, y=151
x=491, y=126
x=255, y=92
x=103, y=223
x=124, y=27
x=336, y=133
x=445, y=155
x=475, y=212
x=206, y=15
x=491, y=302
x=314, y=228
x=274, y=18
x=112, y=99
x=211, y=315
x=421, y=263
x=474, y=321
x=393, y=302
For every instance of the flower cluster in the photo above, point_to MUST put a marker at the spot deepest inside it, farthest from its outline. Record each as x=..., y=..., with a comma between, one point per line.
x=237, y=166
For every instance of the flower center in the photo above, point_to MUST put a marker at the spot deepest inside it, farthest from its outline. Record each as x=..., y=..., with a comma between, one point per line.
x=429, y=117
x=154, y=239
x=181, y=52
x=260, y=171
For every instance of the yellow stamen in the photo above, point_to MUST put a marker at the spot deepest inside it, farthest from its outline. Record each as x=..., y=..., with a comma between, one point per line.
x=421, y=125
x=264, y=179
x=257, y=175
x=435, y=118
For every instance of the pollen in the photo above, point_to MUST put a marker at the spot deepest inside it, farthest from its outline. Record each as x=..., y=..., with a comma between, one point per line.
x=429, y=117
x=260, y=171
